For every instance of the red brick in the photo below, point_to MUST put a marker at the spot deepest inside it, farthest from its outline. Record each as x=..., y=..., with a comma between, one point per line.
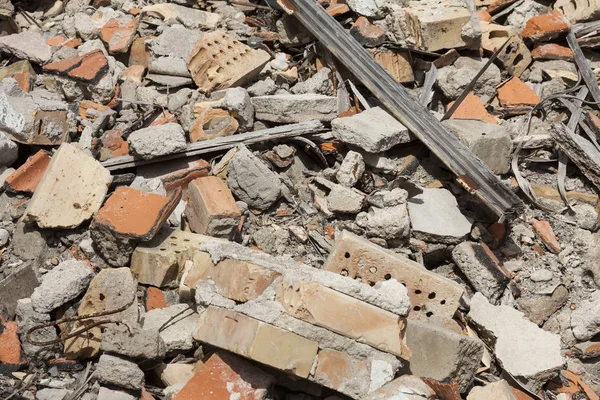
x=213, y=123
x=28, y=176
x=516, y=93
x=164, y=118
x=118, y=35
x=25, y=80
x=225, y=376
x=182, y=177
x=544, y=27
x=551, y=51
x=366, y=33
x=483, y=15
x=155, y=298
x=472, y=108
x=73, y=43
x=131, y=213
x=10, y=347
x=396, y=64
x=89, y=67
x=55, y=41
x=337, y=8
x=545, y=232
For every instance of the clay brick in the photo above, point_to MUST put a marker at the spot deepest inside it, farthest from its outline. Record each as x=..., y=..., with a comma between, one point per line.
x=139, y=54
x=27, y=177
x=551, y=51
x=119, y=34
x=183, y=177
x=73, y=43
x=545, y=232
x=337, y=8
x=211, y=209
x=545, y=27
x=155, y=298
x=396, y=63
x=339, y=371
x=133, y=214
x=225, y=376
x=135, y=74
x=516, y=93
x=237, y=280
x=429, y=293
x=256, y=340
x=22, y=72
x=579, y=10
x=213, y=123
x=447, y=58
x=55, y=41
x=89, y=67
x=25, y=81
x=366, y=33
x=219, y=62
x=484, y=16
x=515, y=56
x=85, y=105
x=10, y=346
x=340, y=313
x=472, y=108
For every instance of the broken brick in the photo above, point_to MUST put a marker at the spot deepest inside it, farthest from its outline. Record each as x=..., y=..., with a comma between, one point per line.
x=213, y=123
x=545, y=232
x=551, y=51
x=340, y=371
x=396, y=63
x=139, y=54
x=366, y=33
x=89, y=67
x=211, y=209
x=225, y=376
x=515, y=56
x=516, y=93
x=118, y=35
x=10, y=346
x=27, y=177
x=22, y=72
x=135, y=74
x=472, y=108
x=545, y=27
x=155, y=298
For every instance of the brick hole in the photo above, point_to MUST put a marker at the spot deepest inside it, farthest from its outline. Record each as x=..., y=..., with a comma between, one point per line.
x=371, y=283
x=443, y=302
x=217, y=42
x=209, y=44
x=344, y=272
x=417, y=308
x=163, y=249
x=101, y=296
x=429, y=314
x=373, y=270
x=172, y=237
x=347, y=255
x=229, y=46
x=518, y=59
x=387, y=277
x=403, y=283
x=358, y=277
x=418, y=291
x=431, y=295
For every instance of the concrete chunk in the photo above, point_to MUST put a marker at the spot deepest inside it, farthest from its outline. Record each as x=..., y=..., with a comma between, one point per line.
x=156, y=141
x=176, y=325
x=71, y=190
x=27, y=45
x=373, y=130
x=64, y=283
x=529, y=353
x=585, y=319
x=112, y=370
x=293, y=108
x=499, y=390
x=343, y=373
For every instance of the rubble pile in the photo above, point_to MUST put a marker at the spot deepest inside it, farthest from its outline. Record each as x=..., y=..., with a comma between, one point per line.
x=345, y=199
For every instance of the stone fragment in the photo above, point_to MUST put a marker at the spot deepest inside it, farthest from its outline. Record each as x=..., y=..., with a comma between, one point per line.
x=585, y=319
x=351, y=169
x=368, y=8
x=219, y=62
x=490, y=142
x=367, y=34
x=387, y=217
x=63, y=283
x=225, y=376
x=52, y=394
x=578, y=10
x=516, y=56
x=190, y=17
x=27, y=45
x=90, y=67
x=118, y=371
x=71, y=190
x=344, y=373
x=27, y=177
x=499, y=390
x=435, y=217
x=256, y=340
x=373, y=130
x=27, y=318
x=18, y=285
x=441, y=25
x=118, y=34
x=109, y=394
x=9, y=151
x=408, y=386
x=156, y=141
x=546, y=234
x=538, y=308
x=516, y=93
x=482, y=268
x=293, y=108
x=544, y=27
x=430, y=294
x=453, y=79
x=291, y=32
x=252, y=181
x=139, y=344
x=176, y=324
x=529, y=353
x=343, y=314
x=441, y=354
x=138, y=53
x=472, y=108
x=111, y=289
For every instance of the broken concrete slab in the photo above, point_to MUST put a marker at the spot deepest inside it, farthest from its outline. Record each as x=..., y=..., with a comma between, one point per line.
x=90, y=67
x=175, y=324
x=27, y=45
x=9, y=151
x=435, y=217
x=387, y=217
x=18, y=285
x=585, y=319
x=294, y=108
x=118, y=371
x=499, y=390
x=351, y=169
x=529, y=353
x=71, y=190
x=156, y=141
x=190, y=17
x=373, y=130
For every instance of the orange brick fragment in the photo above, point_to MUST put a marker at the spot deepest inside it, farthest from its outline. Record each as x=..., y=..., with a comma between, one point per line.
x=483, y=15
x=118, y=35
x=545, y=232
x=516, y=93
x=89, y=67
x=225, y=376
x=472, y=108
x=28, y=176
x=55, y=41
x=25, y=80
x=366, y=33
x=155, y=298
x=551, y=51
x=544, y=27
x=10, y=347
x=139, y=54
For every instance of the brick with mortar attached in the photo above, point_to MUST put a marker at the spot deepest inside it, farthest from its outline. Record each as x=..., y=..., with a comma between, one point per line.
x=27, y=177
x=90, y=67
x=545, y=27
x=342, y=372
x=366, y=33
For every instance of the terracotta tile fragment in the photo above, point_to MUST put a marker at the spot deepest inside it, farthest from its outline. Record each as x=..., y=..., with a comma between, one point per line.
x=89, y=67
x=28, y=176
x=545, y=26
x=472, y=108
x=551, y=51
x=73, y=43
x=366, y=33
x=25, y=81
x=396, y=64
x=545, y=232
x=55, y=41
x=155, y=298
x=10, y=346
x=118, y=35
x=164, y=118
x=131, y=213
x=225, y=376
x=213, y=123
x=447, y=58
x=483, y=15
x=516, y=93
x=139, y=54
x=182, y=177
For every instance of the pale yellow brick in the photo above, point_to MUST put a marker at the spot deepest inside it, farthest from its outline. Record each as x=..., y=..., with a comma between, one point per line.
x=344, y=373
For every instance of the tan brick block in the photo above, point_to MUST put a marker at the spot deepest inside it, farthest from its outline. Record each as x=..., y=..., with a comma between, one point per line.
x=429, y=293
x=343, y=314
x=256, y=340
x=515, y=57
x=211, y=208
x=344, y=373
x=579, y=10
